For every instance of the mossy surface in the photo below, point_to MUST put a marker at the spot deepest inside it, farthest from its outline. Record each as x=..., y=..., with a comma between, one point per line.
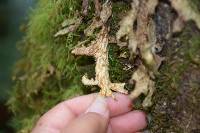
x=176, y=99
x=119, y=71
x=196, y=5
x=47, y=72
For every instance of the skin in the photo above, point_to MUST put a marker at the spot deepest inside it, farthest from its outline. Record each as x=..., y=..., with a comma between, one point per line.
x=92, y=114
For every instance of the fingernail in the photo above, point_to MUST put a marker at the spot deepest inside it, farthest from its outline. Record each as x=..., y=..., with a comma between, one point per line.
x=99, y=106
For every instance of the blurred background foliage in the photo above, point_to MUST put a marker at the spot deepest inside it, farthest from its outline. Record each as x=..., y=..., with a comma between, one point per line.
x=12, y=14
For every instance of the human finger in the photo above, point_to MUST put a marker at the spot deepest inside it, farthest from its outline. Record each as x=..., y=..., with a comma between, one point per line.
x=120, y=105
x=94, y=120
x=63, y=113
x=128, y=123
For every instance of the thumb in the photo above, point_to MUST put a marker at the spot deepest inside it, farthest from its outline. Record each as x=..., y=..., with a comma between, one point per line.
x=94, y=120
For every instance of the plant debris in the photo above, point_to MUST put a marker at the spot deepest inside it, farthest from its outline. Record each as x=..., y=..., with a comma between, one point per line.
x=143, y=85
x=144, y=40
x=126, y=27
x=72, y=25
x=105, y=13
x=185, y=12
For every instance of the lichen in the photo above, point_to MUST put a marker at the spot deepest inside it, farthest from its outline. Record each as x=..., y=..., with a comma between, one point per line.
x=98, y=49
x=72, y=25
x=126, y=27
x=143, y=85
x=48, y=72
x=186, y=12
x=141, y=42
x=105, y=14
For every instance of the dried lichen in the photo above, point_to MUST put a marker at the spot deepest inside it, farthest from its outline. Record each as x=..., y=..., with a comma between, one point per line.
x=69, y=25
x=105, y=13
x=98, y=49
x=146, y=37
x=126, y=27
x=143, y=39
x=126, y=24
x=185, y=12
x=49, y=73
x=143, y=85
x=151, y=6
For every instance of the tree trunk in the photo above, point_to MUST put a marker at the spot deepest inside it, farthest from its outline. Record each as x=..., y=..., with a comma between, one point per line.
x=168, y=32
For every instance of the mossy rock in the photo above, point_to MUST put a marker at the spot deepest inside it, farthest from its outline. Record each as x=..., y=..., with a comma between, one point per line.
x=48, y=73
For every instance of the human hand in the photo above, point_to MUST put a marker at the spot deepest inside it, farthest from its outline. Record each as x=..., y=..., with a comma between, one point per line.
x=92, y=114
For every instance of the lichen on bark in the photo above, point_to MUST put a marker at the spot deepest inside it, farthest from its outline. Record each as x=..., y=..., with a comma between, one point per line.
x=48, y=72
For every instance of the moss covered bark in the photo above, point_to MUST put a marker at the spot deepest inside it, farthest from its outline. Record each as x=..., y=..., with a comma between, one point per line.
x=177, y=101
x=48, y=73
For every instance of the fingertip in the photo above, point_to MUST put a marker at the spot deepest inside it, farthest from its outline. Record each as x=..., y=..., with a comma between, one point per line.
x=141, y=117
x=90, y=122
x=121, y=105
x=99, y=106
x=131, y=122
x=81, y=103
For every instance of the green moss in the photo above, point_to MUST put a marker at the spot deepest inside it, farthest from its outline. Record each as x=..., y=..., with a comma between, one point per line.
x=119, y=9
x=44, y=75
x=47, y=72
x=195, y=5
x=194, y=51
x=180, y=57
x=117, y=65
x=117, y=68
